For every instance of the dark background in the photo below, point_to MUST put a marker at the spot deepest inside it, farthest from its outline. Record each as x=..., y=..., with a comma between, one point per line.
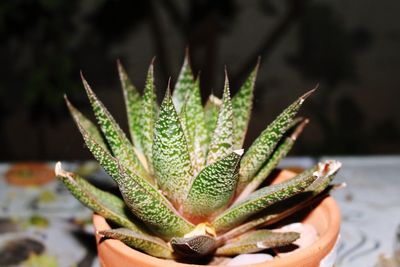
x=349, y=47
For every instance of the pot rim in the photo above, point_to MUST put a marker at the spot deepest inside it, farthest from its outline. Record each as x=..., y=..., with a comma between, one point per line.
x=327, y=210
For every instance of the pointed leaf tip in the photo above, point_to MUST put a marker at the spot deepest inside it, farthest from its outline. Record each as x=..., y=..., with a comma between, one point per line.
x=222, y=137
x=299, y=129
x=242, y=104
x=239, y=151
x=168, y=91
x=171, y=159
x=58, y=169
x=184, y=85
x=307, y=94
x=262, y=148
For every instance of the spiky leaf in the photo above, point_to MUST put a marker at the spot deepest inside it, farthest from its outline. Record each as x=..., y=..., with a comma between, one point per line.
x=107, y=205
x=257, y=241
x=86, y=123
x=312, y=194
x=196, y=129
x=261, y=199
x=171, y=159
x=133, y=107
x=149, y=244
x=149, y=116
x=222, y=139
x=242, y=104
x=119, y=143
x=214, y=187
x=145, y=201
x=184, y=85
x=264, y=145
x=279, y=153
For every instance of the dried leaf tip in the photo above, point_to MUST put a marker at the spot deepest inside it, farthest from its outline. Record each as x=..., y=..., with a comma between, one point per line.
x=69, y=104
x=339, y=186
x=59, y=170
x=152, y=62
x=226, y=83
x=86, y=86
x=299, y=129
x=239, y=151
x=121, y=69
x=186, y=60
x=258, y=62
x=215, y=100
x=306, y=95
x=119, y=64
x=327, y=168
x=168, y=91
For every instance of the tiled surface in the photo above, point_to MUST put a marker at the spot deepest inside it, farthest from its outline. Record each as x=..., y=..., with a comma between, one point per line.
x=370, y=206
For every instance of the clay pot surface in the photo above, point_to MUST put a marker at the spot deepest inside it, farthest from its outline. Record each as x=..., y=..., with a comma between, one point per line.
x=325, y=218
x=29, y=174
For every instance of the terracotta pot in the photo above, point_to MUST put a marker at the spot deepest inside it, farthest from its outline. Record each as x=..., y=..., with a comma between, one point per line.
x=29, y=174
x=325, y=218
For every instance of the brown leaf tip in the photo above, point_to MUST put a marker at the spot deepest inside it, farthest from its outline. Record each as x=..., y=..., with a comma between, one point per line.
x=60, y=172
x=299, y=129
x=239, y=151
x=306, y=95
x=327, y=168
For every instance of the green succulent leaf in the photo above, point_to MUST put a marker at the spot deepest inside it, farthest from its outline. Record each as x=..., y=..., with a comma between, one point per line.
x=195, y=246
x=242, y=104
x=149, y=116
x=264, y=145
x=119, y=143
x=145, y=201
x=214, y=187
x=86, y=123
x=318, y=190
x=222, y=139
x=149, y=244
x=184, y=85
x=171, y=159
x=211, y=110
x=107, y=205
x=133, y=107
x=279, y=153
x=261, y=199
x=256, y=241
x=196, y=129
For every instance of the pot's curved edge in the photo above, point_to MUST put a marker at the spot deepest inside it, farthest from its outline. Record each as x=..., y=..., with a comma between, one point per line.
x=310, y=256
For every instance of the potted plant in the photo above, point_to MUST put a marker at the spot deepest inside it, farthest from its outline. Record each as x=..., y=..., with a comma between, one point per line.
x=189, y=191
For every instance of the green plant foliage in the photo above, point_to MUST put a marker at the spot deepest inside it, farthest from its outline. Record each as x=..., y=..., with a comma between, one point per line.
x=171, y=159
x=186, y=189
x=222, y=140
x=149, y=244
x=256, y=241
x=133, y=106
x=242, y=104
x=264, y=145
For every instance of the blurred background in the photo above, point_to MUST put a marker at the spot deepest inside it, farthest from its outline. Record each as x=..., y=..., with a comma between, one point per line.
x=349, y=48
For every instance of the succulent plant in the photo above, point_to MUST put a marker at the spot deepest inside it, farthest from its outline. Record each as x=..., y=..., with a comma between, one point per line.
x=188, y=188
